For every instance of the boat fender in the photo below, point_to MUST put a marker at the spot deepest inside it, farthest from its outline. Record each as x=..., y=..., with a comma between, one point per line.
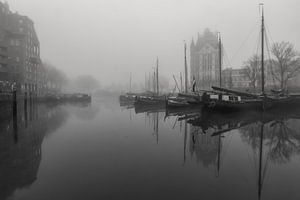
x=212, y=104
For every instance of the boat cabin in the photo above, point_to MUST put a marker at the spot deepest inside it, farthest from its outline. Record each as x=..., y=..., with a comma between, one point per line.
x=224, y=97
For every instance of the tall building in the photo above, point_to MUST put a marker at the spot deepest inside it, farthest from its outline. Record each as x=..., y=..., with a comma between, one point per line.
x=6, y=74
x=205, y=60
x=20, y=62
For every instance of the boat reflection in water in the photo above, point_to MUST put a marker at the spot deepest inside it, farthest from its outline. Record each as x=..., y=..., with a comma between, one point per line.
x=272, y=137
x=21, y=140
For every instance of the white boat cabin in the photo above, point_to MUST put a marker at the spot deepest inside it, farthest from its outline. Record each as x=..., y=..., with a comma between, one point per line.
x=225, y=97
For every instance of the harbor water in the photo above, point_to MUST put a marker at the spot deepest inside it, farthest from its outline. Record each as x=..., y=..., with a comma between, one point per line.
x=102, y=150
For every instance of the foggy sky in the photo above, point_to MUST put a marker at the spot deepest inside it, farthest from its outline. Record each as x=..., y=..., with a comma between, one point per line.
x=111, y=38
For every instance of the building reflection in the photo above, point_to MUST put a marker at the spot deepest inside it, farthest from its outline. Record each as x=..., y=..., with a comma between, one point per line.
x=21, y=141
x=203, y=146
x=207, y=132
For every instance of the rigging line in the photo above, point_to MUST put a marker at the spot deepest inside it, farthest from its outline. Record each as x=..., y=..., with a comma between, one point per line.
x=267, y=33
x=243, y=43
x=226, y=57
x=268, y=45
x=270, y=60
x=267, y=30
x=258, y=45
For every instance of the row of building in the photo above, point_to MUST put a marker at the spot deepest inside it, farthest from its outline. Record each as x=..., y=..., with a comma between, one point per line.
x=20, y=63
x=204, y=66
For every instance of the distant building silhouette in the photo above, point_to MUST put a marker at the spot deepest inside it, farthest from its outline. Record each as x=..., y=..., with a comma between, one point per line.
x=236, y=78
x=205, y=60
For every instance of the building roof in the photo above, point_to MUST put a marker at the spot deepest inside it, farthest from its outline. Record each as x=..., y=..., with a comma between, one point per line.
x=207, y=37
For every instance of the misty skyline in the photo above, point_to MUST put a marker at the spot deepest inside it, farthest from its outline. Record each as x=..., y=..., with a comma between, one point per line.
x=111, y=38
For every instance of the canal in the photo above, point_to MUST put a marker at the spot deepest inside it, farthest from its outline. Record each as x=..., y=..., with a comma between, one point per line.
x=106, y=151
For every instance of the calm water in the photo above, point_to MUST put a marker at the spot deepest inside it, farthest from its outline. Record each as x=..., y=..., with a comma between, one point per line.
x=104, y=151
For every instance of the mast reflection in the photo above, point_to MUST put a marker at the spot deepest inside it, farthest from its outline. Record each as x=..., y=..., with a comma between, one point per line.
x=274, y=135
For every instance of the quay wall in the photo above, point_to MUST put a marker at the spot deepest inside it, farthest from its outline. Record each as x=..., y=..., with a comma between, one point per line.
x=7, y=98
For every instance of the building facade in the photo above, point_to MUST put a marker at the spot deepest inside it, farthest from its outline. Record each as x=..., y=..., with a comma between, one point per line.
x=20, y=63
x=238, y=79
x=205, y=60
x=235, y=78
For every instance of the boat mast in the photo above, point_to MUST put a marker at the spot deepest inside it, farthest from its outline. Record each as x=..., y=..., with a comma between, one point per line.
x=220, y=59
x=157, y=86
x=262, y=50
x=219, y=155
x=185, y=69
x=181, y=88
x=220, y=84
x=154, y=88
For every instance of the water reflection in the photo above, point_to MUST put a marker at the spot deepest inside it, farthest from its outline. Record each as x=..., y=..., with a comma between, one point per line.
x=147, y=153
x=274, y=137
x=21, y=139
x=281, y=136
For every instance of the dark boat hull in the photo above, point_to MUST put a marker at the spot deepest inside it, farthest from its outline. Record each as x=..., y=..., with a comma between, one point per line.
x=140, y=108
x=150, y=100
x=264, y=103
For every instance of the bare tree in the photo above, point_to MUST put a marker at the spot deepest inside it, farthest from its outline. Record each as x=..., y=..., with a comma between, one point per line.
x=287, y=63
x=252, y=70
x=55, y=78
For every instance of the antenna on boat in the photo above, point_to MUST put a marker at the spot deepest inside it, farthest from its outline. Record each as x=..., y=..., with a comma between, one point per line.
x=181, y=87
x=261, y=5
x=185, y=69
x=157, y=86
x=220, y=58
